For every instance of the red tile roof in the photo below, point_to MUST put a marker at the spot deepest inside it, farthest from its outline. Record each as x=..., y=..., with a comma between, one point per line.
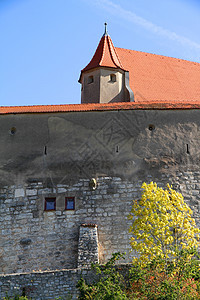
x=152, y=77
x=99, y=107
x=160, y=78
x=158, y=82
x=105, y=56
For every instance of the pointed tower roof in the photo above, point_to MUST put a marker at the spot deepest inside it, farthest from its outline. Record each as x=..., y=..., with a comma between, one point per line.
x=105, y=55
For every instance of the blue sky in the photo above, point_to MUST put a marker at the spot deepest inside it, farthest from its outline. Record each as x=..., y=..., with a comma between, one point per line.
x=45, y=43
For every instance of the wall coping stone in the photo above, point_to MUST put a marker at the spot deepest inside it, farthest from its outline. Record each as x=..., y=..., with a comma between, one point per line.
x=89, y=225
x=75, y=270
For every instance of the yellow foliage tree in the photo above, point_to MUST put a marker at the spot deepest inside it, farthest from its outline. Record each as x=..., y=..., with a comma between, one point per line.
x=162, y=224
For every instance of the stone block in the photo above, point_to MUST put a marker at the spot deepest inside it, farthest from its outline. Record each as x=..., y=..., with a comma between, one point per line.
x=195, y=192
x=61, y=190
x=32, y=192
x=19, y=193
x=99, y=210
x=58, y=213
x=44, y=191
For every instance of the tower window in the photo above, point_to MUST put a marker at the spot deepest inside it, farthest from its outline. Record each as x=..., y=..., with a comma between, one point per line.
x=69, y=203
x=50, y=203
x=113, y=78
x=90, y=79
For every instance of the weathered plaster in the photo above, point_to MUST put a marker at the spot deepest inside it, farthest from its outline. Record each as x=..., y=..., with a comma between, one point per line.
x=102, y=89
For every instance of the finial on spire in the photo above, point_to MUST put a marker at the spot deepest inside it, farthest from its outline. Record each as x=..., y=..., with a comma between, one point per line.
x=105, y=33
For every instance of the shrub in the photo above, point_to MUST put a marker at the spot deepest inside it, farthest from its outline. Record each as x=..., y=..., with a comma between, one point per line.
x=109, y=286
x=152, y=282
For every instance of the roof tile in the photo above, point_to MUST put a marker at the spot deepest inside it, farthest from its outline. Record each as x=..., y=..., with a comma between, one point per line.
x=99, y=107
x=105, y=55
x=160, y=78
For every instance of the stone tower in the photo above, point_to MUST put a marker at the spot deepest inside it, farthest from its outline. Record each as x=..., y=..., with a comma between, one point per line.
x=104, y=79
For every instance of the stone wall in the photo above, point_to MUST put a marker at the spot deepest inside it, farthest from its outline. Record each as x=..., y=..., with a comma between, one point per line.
x=34, y=239
x=188, y=184
x=48, y=285
x=88, y=251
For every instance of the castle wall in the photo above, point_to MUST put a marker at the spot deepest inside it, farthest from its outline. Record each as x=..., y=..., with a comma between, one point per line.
x=33, y=239
x=49, y=285
x=57, y=155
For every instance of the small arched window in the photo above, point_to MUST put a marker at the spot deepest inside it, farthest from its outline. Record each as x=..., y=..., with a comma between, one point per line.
x=113, y=78
x=90, y=79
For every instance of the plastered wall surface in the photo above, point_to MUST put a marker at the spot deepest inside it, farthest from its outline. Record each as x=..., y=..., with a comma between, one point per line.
x=65, y=147
x=102, y=89
x=112, y=91
x=90, y=92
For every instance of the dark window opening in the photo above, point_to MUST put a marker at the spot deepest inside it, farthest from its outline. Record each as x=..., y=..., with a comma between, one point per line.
x=151, y=127
x=69, y=203
x=113, y=78
x=188, y=150
x=45, y=150
x=50, y=204
x=90, y=79
x=13, y=130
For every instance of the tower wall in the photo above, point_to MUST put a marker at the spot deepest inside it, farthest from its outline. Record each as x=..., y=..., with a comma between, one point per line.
x=90, y=91
x=104, y=89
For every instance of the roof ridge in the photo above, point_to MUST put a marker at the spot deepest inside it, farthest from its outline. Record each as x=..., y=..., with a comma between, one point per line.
x=103, y=52
x=110, y=42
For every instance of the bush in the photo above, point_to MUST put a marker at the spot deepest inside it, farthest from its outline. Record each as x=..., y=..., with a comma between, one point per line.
x=145, y=283
x=153, y=283
x=109, y=286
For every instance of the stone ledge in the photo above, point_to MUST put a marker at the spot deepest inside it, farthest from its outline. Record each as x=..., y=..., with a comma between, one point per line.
x=89, y=225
